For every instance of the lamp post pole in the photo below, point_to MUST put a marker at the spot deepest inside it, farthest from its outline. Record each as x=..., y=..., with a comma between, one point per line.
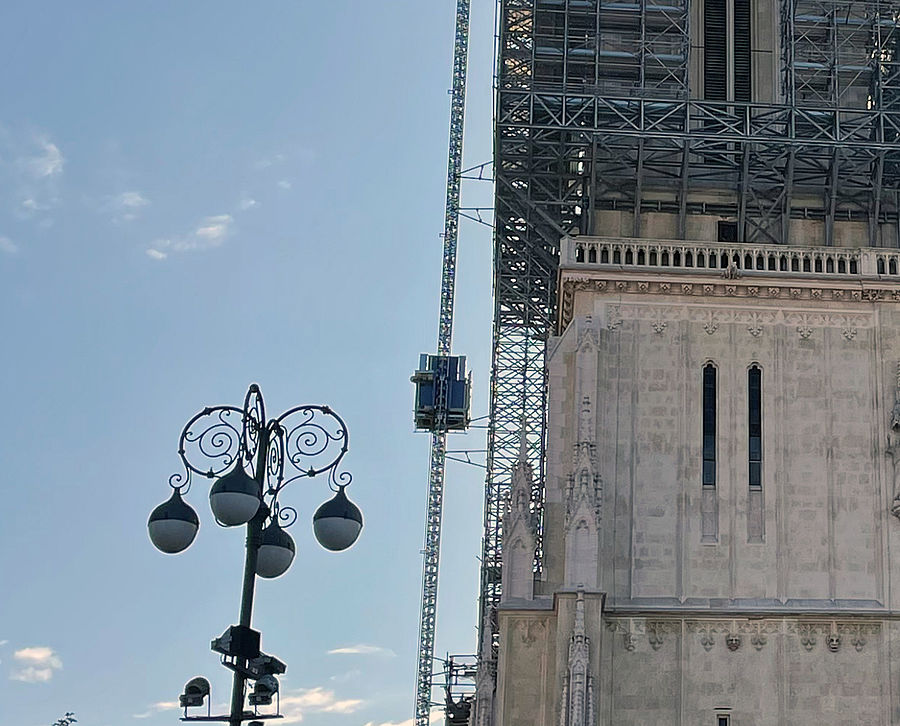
x=299, y=443
x=254, y=532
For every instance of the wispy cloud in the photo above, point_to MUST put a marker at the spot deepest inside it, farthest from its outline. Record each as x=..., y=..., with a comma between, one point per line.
x=296, y=704
x=44, y=161
x=247, y=203
x=350, y=675
x=270, y=161
x=31, y=166
x=37, y=664
x=126, y=206
x=362, y=649
x=156, y=708
x=10, y=248
x=285, y=184
x=210, y=232
x=436, y=717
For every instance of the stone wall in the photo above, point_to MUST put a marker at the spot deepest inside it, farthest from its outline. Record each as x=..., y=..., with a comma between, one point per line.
x=770, y=607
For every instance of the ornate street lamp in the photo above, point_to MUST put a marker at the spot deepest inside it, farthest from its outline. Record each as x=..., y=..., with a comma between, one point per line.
x=252, y=459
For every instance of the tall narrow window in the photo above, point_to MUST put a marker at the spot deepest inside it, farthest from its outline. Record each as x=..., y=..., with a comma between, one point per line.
x=709, y=425
x=726, y=50
x=754, y=390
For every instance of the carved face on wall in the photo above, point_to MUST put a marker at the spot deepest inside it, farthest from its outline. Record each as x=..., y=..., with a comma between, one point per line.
x=733, y=642
x=834, y=643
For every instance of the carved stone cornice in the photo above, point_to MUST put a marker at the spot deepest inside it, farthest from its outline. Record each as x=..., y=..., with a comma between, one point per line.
x=851, y=292
x=733, y=633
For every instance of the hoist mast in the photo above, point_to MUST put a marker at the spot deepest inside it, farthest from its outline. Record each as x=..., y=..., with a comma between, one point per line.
x=442, y=388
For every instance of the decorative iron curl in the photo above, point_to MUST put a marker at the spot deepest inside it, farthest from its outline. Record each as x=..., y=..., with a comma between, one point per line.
x=212, y=439
x=181, y=482
x=254, y=419
x=315, y=443
x=275, y=459
x=337, y=481
x=285, y=516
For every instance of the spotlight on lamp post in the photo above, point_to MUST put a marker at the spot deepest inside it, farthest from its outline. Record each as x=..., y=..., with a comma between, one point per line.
x=252, y=459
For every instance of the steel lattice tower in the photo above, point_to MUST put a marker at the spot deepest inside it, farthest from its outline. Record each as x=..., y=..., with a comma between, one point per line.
x=598, y=107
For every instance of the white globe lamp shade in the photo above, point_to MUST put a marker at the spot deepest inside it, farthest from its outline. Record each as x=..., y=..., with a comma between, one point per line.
x=234, y=498
x=173, y=525
x=337, y=523
x=276, y=552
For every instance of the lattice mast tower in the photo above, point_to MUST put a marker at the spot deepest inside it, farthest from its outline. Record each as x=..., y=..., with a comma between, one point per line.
x=762, y=121
x=442, y=389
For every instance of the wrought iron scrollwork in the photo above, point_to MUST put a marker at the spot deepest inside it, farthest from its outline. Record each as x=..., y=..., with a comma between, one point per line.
x=211, y=440
x=315, y=440
x=304, y=441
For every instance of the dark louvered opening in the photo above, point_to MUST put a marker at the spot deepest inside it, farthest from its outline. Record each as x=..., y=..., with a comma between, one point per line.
x=715, y=50
x=754, y=384
x=709, y=426
x=742, y=76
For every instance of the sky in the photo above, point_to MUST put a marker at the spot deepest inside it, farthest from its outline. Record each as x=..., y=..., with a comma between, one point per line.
x=195, y=196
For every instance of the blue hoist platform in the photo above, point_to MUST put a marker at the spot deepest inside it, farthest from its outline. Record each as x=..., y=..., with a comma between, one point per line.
x=443, y=393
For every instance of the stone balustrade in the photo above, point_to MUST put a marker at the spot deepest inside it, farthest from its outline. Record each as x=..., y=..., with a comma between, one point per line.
x=769, y=259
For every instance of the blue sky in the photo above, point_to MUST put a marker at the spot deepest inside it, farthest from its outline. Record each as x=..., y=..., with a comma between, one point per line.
x=195, y=196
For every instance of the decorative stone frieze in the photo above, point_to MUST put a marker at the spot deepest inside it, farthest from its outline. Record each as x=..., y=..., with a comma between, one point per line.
x=573, y=282
x=733, y=633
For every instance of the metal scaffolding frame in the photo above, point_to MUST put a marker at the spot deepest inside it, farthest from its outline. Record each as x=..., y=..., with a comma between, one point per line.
x=596, y=109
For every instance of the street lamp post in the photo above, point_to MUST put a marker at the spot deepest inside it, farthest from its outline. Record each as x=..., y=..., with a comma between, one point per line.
x=223, y=443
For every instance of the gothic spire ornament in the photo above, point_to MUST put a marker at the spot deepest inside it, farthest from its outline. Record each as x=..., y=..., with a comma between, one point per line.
x=578, y=680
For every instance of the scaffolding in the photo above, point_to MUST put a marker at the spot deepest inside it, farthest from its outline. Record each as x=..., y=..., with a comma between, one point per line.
x=598, y=108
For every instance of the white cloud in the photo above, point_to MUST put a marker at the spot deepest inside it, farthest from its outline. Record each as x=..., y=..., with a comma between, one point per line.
x=10, y=248
x=32, y=205
x=215, y=228
x=285, y=184
x=156, y=708
x=37, y=664
x=296, y=704
x=437, y=716
x=350, y=675
x=211, y=232
x=126, y=206
x=247, y=203
x=3, y=642
x=47, y=161
x=270, y=161
x=362, y=649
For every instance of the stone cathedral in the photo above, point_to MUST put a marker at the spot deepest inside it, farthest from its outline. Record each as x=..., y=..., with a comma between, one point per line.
x=719, y=528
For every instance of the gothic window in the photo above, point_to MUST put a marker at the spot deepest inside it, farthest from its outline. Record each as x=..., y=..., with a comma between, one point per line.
x=709, y=425
x=754, y=391
x=726, y=50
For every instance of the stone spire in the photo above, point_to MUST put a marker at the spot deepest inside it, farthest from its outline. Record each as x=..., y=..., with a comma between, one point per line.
x=583, y=505
x=577, y=701
x=485, y=679
x=519, y=529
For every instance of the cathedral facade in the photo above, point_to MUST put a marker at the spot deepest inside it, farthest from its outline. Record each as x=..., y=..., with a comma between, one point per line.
x=717, y=528
x=721, y=501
